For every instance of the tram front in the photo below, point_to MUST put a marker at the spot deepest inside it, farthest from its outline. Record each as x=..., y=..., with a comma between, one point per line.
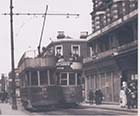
x=68, y=75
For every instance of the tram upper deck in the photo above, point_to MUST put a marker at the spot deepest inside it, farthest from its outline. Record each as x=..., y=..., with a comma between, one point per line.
x=30, y=60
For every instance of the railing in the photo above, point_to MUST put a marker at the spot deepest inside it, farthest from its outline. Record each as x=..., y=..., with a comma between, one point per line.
x=128, y=46
x=38, y=62
x=125, y=47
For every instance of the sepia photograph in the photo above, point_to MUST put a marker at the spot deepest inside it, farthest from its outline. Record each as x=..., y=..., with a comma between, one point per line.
x=69, y=57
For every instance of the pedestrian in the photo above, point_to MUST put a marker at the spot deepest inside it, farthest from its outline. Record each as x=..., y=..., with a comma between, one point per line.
x=123, y=98
x=3, y=96
x=6, y=96
x=124, y=85
x=133, y=87
x=98, y=96
x=91, y=96
x=131, y=96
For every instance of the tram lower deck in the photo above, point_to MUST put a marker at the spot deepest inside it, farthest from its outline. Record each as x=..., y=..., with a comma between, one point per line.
x=42, y=88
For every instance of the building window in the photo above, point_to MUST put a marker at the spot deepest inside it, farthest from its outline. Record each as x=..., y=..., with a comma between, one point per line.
x=115, y=11
x=63, y=79
x=75, y=50
x=108, y=16
x=93, y=24
x=59, y=50
x=134, y=77
x=132, y=5
x=104, y=20
x=98, y=27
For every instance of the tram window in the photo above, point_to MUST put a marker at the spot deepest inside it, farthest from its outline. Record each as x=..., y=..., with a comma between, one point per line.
x=43, y=77
x=22, y=81
x=28, y=79
x=52, y=77
x=71, y=78
x=34, y=79
x=63, y=79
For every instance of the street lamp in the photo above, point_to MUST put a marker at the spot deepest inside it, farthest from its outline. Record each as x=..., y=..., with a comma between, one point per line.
x=14, y=103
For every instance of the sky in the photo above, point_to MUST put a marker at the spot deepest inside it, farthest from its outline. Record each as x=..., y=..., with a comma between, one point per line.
x=27, y=29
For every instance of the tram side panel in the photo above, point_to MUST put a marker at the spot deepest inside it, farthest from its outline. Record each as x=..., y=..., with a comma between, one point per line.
x=72, y=94
x=35, y=97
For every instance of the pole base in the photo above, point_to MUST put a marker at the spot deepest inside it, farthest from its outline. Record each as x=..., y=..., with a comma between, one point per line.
x=14, y=107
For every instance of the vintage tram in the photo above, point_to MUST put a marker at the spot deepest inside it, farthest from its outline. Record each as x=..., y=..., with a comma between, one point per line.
x=46, y=82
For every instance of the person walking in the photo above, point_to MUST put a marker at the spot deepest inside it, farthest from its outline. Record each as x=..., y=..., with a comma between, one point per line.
x=98, y=96
x=132, y=95
x=91, y=96
x=123, y=98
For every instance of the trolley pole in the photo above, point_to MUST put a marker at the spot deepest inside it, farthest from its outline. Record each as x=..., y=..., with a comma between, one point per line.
x=14, y=103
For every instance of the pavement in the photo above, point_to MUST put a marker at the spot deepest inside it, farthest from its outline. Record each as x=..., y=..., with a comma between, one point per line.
x=109, y=107
x=5, y=108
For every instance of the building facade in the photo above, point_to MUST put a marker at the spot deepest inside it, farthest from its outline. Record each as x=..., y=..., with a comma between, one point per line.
x=113, y=47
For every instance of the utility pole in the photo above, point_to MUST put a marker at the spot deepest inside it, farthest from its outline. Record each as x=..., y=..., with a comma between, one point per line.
x=14, y=103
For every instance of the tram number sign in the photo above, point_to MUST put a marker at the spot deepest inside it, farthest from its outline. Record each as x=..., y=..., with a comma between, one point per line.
x=63, y=64
x=60, y=68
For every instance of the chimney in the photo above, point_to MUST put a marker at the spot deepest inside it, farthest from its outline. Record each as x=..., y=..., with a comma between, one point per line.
x=60, y=35
x=83, y=35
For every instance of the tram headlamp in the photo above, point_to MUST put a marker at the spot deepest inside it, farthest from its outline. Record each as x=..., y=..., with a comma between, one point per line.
x=72, y=94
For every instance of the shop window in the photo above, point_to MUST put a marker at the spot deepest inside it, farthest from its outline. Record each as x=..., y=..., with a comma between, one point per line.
x=34, y=78
x=59, y=50
x=63, y=79
x=43, y=77
x=71, y=78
